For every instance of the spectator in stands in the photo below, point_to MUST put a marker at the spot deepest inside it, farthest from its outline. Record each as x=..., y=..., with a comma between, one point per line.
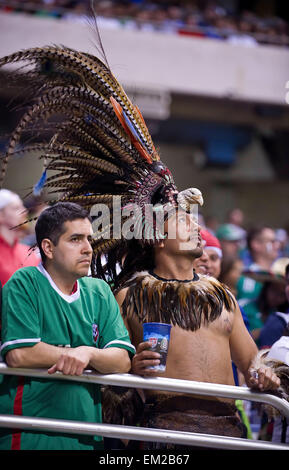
x=191, y=27
x=56, y=317
x=277, y=331
x=283, y=239
x=213, y=264
x=227, y=269
x=231, y=271
x=264, y=248
x=143, y=21
x=285, y=251
x=236, y=217
x=269, y=299
x=77, y=14
x=201, y=265
x=13, y=254
x=274, y=302
x=263, y=251
x=280, y=351
x=244, y=34
x=175, y=19
x=212, y=248
x=231, y=237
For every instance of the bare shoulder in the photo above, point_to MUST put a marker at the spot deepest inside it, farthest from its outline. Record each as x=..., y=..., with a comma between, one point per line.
x=120, y=296
x=131, y=321
x=230, y=319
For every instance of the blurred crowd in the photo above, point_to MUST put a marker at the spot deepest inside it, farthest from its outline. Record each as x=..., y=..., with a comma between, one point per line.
x=185, y=18
x=252, y=261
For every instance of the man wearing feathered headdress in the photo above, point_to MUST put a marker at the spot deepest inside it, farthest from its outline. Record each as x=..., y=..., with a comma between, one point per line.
x=101, y=153
x=208, y=332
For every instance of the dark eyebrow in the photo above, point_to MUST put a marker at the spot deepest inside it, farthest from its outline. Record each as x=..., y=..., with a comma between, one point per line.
x=81, y=235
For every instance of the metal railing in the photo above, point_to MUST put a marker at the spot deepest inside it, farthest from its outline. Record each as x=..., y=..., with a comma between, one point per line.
x=147, y=434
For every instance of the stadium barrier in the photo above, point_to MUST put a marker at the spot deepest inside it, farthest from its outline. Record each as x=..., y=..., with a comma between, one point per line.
x=147, y=434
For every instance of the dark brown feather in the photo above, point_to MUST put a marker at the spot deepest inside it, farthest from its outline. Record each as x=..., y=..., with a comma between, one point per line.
x=187, y=304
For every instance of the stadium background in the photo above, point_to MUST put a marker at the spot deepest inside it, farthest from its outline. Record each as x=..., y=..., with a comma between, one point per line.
x=216, y=107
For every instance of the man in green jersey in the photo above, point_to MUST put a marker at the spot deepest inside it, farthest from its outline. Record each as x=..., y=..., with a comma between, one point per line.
x=55, y=317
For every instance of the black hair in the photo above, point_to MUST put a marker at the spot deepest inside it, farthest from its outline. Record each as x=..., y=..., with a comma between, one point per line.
x=263, y=305
x=50, y=223
x=130, y=257
x=286, y=330
x=254, y=233
x=227, y=264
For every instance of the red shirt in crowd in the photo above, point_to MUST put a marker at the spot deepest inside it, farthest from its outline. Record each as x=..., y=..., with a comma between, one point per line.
x=13, y=257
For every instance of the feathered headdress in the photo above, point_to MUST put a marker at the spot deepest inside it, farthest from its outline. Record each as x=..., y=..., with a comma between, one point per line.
x=98, y=147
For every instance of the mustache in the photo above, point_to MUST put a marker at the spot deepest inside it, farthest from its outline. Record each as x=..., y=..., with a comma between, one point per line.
x=85, y=258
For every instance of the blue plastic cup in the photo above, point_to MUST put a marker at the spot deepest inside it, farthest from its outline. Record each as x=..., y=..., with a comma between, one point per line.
x=158, y=335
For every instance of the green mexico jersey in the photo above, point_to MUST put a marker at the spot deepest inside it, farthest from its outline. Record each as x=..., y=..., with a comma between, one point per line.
x=35, y=310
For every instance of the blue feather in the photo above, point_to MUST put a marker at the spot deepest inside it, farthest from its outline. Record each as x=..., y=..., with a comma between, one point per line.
x=37, y=188
x=132, y=127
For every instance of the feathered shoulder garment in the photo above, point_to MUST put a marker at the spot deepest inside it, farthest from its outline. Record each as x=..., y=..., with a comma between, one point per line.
x=262, y=359
x=187, y=304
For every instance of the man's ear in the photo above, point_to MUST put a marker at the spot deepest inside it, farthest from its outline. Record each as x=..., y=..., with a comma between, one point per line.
x=47, y=247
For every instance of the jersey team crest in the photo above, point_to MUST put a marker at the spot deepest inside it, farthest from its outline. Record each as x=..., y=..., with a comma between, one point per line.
x=95, y=332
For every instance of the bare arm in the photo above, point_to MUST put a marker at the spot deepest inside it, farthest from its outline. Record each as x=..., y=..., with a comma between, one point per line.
x=243, y=351
x=40, y=355
x=243, y=347
x=143, y=357
x=70, y=361
x=120, y=296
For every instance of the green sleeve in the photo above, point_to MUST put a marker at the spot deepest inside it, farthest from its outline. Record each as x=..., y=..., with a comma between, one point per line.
x=20, y=320
x=112, y=331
